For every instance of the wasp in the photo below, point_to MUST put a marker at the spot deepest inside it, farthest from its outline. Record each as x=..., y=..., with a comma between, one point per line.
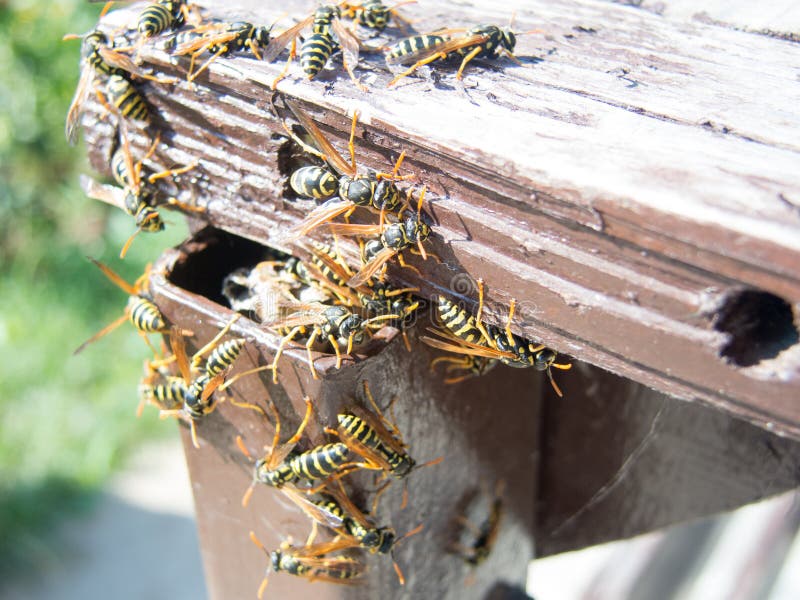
x=411, y=231
x=373, y=190
x=282, y=465
x=377, y=442
x=314, y=562
x=335, y=510
x=162, y=15
x=338, y=325
x=485, y=534
x=482, y=41
x=140, y=310
x=160, y=388
x=468, y=366
x=467, y=335
x=136, y=195
x=201, y=378
x=221, y=39
x=159, y=16
x=328, y=36
x=99, y=60
x=374, y=14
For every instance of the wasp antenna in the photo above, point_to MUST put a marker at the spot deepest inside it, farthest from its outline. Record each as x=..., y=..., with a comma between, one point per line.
x=129, y=241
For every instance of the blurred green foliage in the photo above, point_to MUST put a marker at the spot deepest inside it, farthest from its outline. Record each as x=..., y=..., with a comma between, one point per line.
x=68, y=421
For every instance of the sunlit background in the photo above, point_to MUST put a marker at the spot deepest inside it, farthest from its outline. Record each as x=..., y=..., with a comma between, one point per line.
x=68, y=421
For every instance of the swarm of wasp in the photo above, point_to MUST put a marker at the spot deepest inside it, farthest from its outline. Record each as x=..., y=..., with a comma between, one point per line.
x=137, y=195
x=466, y=335
x=328, y=36
x=482, y=41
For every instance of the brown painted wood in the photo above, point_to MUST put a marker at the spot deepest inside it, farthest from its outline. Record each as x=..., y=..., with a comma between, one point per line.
x=624, y=185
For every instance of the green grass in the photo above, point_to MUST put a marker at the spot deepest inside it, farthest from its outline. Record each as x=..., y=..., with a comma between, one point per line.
x=68, y=421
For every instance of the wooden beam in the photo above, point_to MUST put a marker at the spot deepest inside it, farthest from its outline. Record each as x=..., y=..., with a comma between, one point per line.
x=626, y=185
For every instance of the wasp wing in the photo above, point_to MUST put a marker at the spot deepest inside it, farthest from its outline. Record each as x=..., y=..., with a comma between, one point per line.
x=446, y=46
x=331, y=154
x=279, y=42
x=76, y=106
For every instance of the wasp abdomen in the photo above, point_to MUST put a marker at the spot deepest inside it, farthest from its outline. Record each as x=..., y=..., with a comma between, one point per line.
x=316, y=51
x=224, y=356
x=145, y=316
x=314, y=182
x=320, y=462
x=126, y=98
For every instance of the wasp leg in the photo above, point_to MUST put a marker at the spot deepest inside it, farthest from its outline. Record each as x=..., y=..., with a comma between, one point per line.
x=288, y=338
x=292, y=56
x=417, y=65
x=191, y=77
x=468, y=58
x=309, y=344
x=171, y=172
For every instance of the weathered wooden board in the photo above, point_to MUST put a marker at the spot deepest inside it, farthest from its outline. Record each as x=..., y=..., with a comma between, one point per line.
x=625, y=184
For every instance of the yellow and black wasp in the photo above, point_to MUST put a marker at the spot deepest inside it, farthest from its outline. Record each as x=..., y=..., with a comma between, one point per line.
x=464, y=334
x=221, y=39
x=378, y=442
x=159, y=16
x=314, y=562
x=202, y=379
x=282, y=465
x=160, y=388
x=376, y=191
x=338, y=325
x=392, y=239
x=482, y=41
x=140, y=310
x=100, y=61
x=335, y=510
x=136, y=195
x=328, y=36
x=374, y=14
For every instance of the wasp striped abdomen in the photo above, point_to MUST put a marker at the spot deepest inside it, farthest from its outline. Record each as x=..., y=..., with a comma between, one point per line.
x=356, y=429
x=126, y=98
x=405, y=50
x=315, y=52
x=223, y=356
x=459, y=322
x=145, y=316
x=160, y=16
x=320, y=462
x=314, y=182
